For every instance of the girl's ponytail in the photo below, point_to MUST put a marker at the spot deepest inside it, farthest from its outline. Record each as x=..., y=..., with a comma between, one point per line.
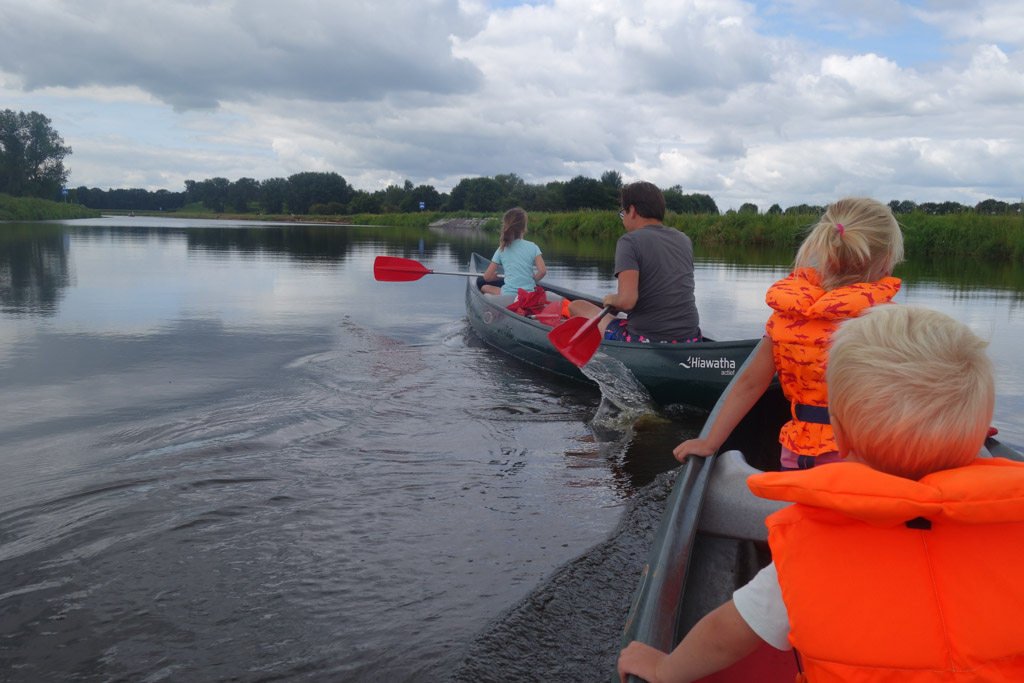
x=857, y=240
x=513, y=226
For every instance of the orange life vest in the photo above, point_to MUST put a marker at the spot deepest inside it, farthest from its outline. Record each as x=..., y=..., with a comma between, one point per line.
x=890, y=579
x=800, y=329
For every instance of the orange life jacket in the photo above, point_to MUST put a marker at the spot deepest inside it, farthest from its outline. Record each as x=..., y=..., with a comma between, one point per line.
x=800, y=329
x=890, y=579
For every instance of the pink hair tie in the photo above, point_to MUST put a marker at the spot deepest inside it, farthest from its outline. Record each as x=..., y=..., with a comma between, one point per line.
x=839, y=229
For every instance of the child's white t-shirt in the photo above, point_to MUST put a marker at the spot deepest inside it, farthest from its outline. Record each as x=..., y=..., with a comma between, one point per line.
x=761, y=606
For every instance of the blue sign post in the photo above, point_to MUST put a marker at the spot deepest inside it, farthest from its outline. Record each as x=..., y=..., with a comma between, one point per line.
x=423, y=205
x=64, y=191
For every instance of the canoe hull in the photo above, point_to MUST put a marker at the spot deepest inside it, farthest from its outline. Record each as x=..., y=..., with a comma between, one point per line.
x=692, y=374
x=712, y=539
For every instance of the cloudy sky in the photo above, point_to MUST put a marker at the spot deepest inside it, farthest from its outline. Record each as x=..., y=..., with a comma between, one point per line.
x=791, y=101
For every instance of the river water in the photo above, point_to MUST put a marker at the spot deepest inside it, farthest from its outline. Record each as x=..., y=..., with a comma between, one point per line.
x=230, y=454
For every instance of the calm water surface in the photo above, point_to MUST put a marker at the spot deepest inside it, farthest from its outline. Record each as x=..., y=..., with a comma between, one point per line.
x=229, y=453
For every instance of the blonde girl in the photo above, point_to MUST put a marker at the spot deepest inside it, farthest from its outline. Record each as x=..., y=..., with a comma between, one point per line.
x=843, y=267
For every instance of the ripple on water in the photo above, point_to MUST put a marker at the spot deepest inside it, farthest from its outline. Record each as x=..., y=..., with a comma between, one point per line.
x=569, y=627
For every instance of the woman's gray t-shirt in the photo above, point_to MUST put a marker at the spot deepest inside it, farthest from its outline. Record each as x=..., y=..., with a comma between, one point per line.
x=665, y=308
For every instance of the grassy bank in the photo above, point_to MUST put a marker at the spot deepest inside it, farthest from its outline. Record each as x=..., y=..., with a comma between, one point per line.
x=32, y=209
x=966, y=234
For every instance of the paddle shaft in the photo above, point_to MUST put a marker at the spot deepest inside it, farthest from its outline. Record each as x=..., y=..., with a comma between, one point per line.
x=590, y=324
x=452, y=272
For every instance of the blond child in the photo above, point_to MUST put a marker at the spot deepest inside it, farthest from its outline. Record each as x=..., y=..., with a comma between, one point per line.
x=902, y=563
x=843, y=267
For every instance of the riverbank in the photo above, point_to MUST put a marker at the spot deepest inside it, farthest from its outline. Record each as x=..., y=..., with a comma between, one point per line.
x=995, y=237
x=32, y=209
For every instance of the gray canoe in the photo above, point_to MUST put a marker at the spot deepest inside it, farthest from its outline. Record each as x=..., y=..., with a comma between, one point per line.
x=692, y=374
x=712, y=539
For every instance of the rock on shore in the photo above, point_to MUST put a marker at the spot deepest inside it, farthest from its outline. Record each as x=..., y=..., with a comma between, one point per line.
x=459, y=223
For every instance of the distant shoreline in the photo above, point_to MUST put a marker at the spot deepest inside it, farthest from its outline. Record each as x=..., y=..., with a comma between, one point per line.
x=454, y=224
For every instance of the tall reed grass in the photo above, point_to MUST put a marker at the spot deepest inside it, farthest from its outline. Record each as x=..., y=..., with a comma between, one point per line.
x=32, y=209
x=967, y=234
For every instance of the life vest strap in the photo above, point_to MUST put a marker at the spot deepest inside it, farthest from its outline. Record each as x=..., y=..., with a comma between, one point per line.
x=815, y=414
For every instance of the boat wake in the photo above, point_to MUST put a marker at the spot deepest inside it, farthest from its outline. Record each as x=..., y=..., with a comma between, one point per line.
x=569, y=627
x=624, y=401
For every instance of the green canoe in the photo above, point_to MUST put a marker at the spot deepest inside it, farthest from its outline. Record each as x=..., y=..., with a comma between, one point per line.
x=692, y=374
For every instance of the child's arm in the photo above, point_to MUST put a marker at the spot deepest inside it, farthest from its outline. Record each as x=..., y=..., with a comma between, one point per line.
x=750, y=385
x=491, y=274
x=542, y=270
x=718, y=640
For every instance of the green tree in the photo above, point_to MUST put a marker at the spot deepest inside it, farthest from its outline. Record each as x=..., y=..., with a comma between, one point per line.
x=430, y=197
x=749, y=207
x=775, y=210
x=586, y=193
x=510, y=183
x=989, y=206
x=212, y=192
x=364, y=202
x=31, y=156
x=241, y=192
x=804, y=209
x=311, y=187
x=549, y=198
x=271, y=195
x=904, y=206
x=476, y=194
x=612, y=179
x=675, y=200
x=394, y=197
x=484, y=195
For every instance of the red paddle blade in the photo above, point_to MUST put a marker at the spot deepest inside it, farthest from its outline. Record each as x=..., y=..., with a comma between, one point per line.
x=551, y=315
x=394, y=269
x=577, y=339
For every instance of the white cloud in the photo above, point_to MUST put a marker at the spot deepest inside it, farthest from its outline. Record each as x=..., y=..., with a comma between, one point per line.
x=999, y=21
x=719, y=97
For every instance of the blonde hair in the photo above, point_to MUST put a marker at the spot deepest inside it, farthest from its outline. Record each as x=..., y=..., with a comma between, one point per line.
x=856, y=240
x=911, y=388
x=513, y=226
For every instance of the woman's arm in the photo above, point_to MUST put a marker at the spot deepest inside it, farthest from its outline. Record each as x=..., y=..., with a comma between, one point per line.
x=542, y=270
x=750, y=385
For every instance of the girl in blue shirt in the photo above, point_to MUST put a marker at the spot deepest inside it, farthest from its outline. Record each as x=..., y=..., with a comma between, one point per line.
x=518, y=256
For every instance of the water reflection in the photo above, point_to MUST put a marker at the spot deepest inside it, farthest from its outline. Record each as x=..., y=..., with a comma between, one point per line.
x=234, y=420
x=965, y=275
x=33, y=268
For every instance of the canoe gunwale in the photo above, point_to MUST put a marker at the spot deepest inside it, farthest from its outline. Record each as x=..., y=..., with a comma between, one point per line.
x=725, y=509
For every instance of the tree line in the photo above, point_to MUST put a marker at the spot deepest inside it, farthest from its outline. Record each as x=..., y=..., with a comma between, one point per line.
x=32, y=157
x=328, y=193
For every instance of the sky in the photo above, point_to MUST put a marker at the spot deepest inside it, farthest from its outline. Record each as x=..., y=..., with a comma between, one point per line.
x=789, y=102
